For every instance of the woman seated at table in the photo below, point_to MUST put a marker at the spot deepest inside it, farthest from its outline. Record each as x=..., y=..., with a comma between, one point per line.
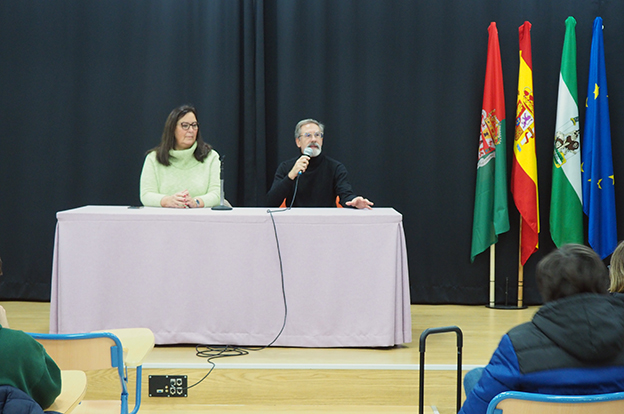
x=183, y=171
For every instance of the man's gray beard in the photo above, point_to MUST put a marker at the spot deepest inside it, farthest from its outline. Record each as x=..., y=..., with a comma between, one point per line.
x=315, y=151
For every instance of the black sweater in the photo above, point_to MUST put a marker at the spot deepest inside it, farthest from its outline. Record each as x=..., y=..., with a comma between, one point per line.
x=324, y=179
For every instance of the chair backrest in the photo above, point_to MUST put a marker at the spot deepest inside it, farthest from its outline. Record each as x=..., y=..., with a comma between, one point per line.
x=86, y=351
x=516, y=402
x=115, y=348
x=283, y=205
x=89, y=351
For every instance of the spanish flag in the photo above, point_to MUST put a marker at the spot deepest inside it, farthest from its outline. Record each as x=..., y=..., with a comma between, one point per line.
x=524, y=167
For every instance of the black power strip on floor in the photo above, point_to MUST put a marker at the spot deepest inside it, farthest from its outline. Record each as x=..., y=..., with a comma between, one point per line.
x=168, y=386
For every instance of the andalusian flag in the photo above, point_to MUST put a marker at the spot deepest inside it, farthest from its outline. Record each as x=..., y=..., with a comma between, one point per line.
x=598, y=178
x=524, y=168
x=491, y=216
x=566, y=205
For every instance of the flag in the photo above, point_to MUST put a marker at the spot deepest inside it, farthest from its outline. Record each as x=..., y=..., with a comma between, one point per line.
x=491, y=216
x=597, y=169
x=566, y=203
x=524, y=167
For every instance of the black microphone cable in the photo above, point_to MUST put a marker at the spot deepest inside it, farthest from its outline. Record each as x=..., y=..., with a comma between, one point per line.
x=293, y=199
x=222, y=351
x=211, y=352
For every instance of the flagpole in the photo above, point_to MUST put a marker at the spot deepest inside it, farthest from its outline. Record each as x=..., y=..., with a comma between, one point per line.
x=492, y=302
x=492, y=275
x=520, y=271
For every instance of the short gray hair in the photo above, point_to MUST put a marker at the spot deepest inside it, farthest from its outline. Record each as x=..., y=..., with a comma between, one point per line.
x=305, y=122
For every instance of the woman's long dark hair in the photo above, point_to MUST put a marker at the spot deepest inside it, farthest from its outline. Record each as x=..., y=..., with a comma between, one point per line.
x=167, y=141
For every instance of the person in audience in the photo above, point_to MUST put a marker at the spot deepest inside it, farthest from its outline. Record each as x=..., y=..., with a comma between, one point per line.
x=25, y=365
x=616, y=270
x=317, y=178
x=573, y=345
x=182, y=171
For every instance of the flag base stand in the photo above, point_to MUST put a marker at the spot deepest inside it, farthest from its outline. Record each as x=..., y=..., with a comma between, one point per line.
x=493, y=305
x=505, y=307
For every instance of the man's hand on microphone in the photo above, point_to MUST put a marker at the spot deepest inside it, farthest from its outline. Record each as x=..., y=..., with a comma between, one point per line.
x=300, y=166
x=360, y=202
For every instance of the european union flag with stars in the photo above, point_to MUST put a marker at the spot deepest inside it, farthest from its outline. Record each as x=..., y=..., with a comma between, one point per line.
x=597, y=168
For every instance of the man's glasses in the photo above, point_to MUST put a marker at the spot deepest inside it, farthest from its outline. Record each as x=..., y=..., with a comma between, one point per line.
x=307, y=135
x=185, y=125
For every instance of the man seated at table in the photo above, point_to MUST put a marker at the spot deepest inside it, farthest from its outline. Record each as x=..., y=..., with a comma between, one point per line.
x=318, y=179
x=573, y=345
x=25, y=365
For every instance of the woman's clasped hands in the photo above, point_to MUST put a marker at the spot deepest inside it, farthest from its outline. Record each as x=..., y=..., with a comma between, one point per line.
x=181, y=199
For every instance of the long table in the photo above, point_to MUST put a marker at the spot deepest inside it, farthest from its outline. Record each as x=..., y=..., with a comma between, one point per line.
x=199, y=276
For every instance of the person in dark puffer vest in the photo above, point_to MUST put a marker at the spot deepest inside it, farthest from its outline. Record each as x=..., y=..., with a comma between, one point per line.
x=573, y=345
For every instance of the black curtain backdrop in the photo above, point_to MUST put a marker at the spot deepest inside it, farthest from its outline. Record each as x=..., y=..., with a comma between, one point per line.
x=86, y=85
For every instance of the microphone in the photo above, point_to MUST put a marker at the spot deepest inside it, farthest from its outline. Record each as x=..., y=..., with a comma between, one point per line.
x=308, y=151
x=222, y=205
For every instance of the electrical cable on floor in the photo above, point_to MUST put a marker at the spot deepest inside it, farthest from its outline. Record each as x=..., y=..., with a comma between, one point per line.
x=211, y=352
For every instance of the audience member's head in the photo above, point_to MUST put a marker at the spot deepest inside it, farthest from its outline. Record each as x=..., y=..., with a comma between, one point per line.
x=569, y=270
x=616, y=269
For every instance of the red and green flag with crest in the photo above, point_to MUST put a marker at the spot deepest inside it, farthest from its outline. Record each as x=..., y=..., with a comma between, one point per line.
x=491, y=216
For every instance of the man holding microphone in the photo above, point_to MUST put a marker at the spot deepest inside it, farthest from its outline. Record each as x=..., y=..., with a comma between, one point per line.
x=316, y=178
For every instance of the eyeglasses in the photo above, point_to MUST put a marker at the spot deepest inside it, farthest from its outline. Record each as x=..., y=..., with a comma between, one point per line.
x=185, y=125
x=307, y=135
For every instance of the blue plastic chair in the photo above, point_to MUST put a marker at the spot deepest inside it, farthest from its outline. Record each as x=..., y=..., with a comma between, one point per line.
x=102, y=350
x=516, y=402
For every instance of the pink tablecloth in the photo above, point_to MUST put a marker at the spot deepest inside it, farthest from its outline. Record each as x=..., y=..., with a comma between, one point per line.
x=213, y=277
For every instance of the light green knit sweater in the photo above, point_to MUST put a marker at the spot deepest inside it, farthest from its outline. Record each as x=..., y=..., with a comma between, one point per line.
x=201, y=179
